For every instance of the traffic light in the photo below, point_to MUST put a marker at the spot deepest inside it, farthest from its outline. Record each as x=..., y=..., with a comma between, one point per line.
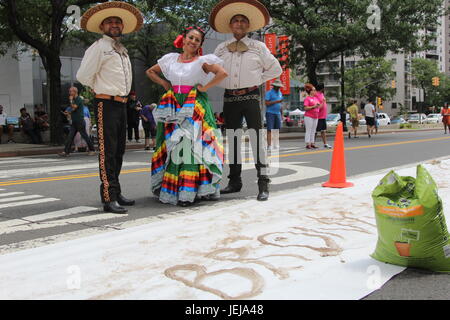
x=435, y=81
x=379, y=102
x=393, y=84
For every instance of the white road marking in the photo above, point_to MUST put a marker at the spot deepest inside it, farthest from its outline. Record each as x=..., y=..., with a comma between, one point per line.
x=51, y=169
x=300, y=172
x=10, y=194
x=34, y=196
x=29, y=160
x=26, y=203
x=36, y=222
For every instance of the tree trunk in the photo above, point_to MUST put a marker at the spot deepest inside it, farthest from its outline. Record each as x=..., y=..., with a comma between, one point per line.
x=311, y=66
x=54, y=82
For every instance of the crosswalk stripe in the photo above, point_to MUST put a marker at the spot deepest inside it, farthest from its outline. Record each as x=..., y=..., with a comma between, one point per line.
x=34, y=196
x=59, y=223
x=55, y=169
x=10, y=194
x=26, y=203
x=30, y=160
x=24, y=223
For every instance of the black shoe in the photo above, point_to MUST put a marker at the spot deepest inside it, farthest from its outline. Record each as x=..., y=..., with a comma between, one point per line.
x=185, y=203
x=231, y=189
x=211, y=197
x=124, y=201
x=263, y=186
x=114, y=207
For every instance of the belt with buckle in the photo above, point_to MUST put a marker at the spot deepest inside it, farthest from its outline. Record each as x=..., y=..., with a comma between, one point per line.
x=240, y=92
x=115, y=98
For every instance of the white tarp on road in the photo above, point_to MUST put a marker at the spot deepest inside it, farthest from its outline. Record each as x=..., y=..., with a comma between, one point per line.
x=308, y=244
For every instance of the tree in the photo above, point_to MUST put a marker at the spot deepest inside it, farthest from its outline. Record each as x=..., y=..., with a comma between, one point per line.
x=40, y=24
x=423, y=70
x=323, y=29
x=370, y=78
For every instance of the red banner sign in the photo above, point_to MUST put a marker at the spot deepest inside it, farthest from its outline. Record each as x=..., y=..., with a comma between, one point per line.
x=283, y=44
x=271, y=43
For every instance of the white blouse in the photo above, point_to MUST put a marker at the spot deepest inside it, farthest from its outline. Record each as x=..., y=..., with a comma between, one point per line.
x=187, y=74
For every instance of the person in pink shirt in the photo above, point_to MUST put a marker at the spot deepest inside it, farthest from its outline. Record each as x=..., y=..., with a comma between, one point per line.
x=322, y=122
x=311, y=105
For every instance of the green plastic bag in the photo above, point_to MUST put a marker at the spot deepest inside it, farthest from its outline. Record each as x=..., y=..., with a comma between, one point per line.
x=411, y=224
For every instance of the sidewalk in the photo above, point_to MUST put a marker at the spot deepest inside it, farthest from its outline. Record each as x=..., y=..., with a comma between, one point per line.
x=308, y=244
x=21, y=149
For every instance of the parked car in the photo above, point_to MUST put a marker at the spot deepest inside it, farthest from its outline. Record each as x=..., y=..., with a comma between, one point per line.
x=398, y=120
x=414, y=118
x=334, y=118
x=383, y=119
x=434, y=118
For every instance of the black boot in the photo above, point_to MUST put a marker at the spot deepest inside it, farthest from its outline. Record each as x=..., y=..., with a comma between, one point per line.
x=124, y=201
x=232, y=187
x=263, y=186
x=114, y=207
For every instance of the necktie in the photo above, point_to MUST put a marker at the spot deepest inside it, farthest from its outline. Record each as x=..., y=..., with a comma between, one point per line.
x=237, y=46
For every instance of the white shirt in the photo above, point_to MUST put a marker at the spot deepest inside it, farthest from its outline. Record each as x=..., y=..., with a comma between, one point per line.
x=369, y=110
x=105, y=70
x=187, y=74
x=3, y=117
x=250, y=68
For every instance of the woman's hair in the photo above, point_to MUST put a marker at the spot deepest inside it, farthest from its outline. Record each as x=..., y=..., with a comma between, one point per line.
x=309, y=87
x=202, y=32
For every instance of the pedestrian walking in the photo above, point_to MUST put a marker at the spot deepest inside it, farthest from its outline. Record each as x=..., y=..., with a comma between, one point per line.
x=186, y=120
x=106, y=69
x=249, y=64
x=445, y=112
x=134, y=108
x=323, y=111
x=5, y=126
x=78, y=124
x=274, y=98
x=354, y=118
x=149, y=125
x=369, y=112
x=78, y=141
x=311, y=117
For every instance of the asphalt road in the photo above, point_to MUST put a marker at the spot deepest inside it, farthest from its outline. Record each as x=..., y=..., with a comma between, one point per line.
x=47, y=188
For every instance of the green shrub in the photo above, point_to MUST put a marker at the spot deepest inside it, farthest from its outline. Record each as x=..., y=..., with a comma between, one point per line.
x=405, y=126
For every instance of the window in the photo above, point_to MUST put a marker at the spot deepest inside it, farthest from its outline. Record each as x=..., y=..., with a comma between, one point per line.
x=394, y=105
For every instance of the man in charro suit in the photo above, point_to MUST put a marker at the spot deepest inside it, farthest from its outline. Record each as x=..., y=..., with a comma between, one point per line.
x=106, y=68
x=249, y=64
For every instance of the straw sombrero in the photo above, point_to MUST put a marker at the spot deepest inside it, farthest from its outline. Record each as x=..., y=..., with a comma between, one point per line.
x=255, y=11
x=131, y=16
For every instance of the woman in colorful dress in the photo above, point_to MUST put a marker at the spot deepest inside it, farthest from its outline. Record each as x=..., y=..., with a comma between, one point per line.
x=188, y=160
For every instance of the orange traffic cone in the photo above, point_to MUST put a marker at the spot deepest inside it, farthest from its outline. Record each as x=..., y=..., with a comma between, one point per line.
x=338, y=174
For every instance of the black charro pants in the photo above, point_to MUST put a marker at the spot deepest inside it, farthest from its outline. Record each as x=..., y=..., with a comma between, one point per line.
x=81, y=128
x=234, y=113
x=111, y=131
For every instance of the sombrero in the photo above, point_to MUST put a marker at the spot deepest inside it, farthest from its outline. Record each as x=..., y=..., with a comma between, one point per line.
x=255, y=11
x=131, y=16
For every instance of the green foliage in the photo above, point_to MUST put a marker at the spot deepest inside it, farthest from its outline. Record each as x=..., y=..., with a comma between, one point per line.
x=405, y=126
x=322, y=29
x=423, y=70
x=370, y=78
